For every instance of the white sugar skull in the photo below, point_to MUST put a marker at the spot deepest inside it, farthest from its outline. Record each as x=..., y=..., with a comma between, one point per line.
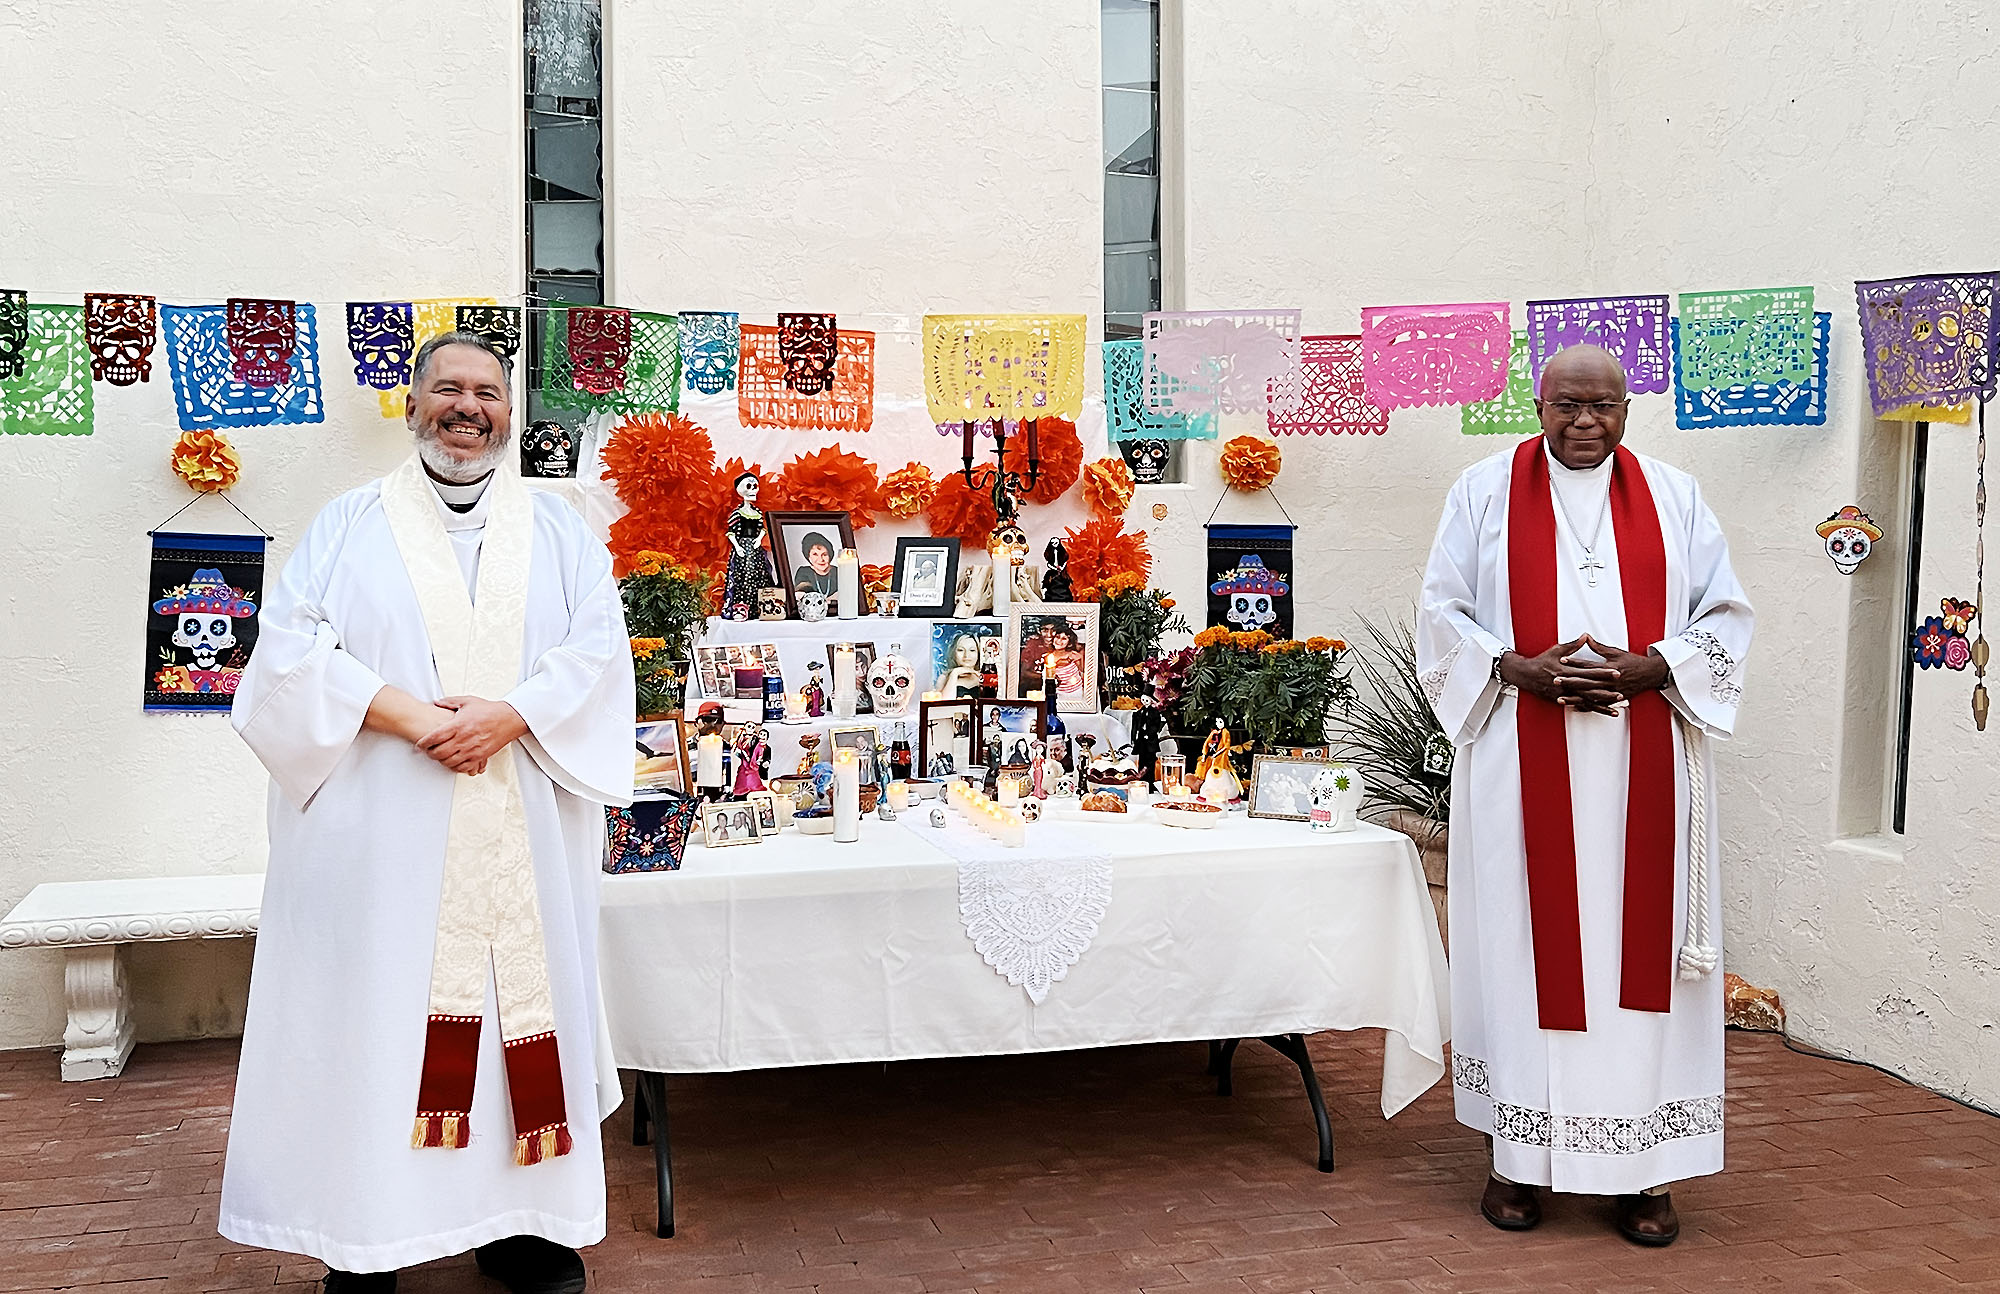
x=207, y=636
x=812, y=604
x=890, y=683
x=1251, y=610
x=1333, y=798
x=1249, y=593
x=1850, y=536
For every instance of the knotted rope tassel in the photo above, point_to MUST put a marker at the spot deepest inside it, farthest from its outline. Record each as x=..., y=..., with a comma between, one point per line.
x=1698, y=956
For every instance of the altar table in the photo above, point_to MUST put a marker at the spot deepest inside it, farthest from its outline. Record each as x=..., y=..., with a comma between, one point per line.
x=801, y=951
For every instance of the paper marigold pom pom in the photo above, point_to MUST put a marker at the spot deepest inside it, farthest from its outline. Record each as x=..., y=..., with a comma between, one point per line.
x=206, y=461
x=957, y=510
x=1249, y=463
x=1102, y=549
x=1059, y=457
x=828, y=480
x=907, y=490
x=1107, y=487
x=652, y=456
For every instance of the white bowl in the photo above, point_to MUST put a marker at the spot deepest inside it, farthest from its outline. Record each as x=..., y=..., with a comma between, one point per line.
x=1164, y=810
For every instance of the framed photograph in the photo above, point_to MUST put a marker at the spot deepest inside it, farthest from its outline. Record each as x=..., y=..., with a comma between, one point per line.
x=766, y=805
x=730, y=822
x=945, y=736
x=926, y=575
x=662, y=757
x=864, y=660
x=1053, y=641
x=1015, y=721
x=963, y=654
x=1280, y=786
x=859, y=738
x=804, y=545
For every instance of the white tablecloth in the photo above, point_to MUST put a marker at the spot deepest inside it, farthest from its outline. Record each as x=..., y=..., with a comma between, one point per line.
x=799, y=951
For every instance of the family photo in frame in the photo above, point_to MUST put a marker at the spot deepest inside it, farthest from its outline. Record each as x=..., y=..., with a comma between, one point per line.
x=729, y=822
x=1053, y=642
x=945, y=736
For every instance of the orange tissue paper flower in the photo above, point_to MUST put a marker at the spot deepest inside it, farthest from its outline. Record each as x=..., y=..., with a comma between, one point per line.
x=828, y=480
x=653, y=456
x=1102, y=549
x=907, y=490
x=206, y=461
x=958, y=510
x=876, y=579
x=1249, y=463
x=1107, y=487
x=1059, y=455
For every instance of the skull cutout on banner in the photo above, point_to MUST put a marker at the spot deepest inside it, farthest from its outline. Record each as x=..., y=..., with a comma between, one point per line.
x=891, y=683
x=13, y=332
x=498, y=326
x=262, y=335
x=1850, y=536
x=600, y=346
x=808, y=344
x=710, y=348
x=205, y=615
x=549, y=450
x=120, y=329
x=1250, y=590
x=382, y=337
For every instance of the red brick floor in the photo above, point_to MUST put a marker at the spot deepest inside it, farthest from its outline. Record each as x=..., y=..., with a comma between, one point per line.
x=1104, y=1171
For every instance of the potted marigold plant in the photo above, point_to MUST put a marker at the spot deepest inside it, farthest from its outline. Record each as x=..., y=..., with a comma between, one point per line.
x=1132, y=621
x=666, y=608
x=1269, y=692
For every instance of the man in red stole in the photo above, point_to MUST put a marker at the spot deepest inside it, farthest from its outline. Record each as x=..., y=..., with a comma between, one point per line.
x=1581, y=639
x=442, y=692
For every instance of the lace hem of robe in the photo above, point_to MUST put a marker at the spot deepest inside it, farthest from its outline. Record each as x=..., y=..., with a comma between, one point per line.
x=1590, y=1134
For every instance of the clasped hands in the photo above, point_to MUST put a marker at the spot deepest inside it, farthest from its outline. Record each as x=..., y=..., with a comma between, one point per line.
x=475, y=732
x=1590, y=687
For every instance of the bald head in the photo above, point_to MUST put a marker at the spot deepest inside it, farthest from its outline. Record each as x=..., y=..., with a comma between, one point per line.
x=1582, y=405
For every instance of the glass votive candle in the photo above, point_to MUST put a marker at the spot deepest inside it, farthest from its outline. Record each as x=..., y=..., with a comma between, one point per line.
x=899, y=796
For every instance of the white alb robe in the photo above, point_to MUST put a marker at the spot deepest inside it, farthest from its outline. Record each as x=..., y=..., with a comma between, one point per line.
x=1634, y=1100
x=319, y=1158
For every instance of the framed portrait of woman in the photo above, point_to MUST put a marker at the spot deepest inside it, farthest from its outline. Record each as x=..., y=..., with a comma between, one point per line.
x=1016, y=722
x=945, y=737
x=1053, y=641
x=804, y=546
x=963, y=654
x=926, y=575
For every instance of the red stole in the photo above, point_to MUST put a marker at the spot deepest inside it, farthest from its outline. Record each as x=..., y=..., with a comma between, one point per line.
x=1548, y=829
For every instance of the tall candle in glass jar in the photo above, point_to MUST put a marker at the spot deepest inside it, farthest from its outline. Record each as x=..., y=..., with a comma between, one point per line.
x=843, y=681
x=847, y=582
x=846, y=796
x=708, y=760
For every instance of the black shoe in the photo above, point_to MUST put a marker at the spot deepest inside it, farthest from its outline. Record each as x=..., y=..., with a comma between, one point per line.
x=339, y=1282
x=532, y=1265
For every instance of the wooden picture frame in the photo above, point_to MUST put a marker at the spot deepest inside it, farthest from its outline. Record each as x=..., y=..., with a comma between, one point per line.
x=934, y=740
x=661, y=758
x=1030, y=628
x=926, y=590
x=791, y=534
x=766, y=804
x=1279, y=785
x=985, y=725
x=729, y=822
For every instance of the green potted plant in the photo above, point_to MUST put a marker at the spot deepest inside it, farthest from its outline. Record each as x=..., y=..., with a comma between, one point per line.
x=666, y=609
x=1270, y=693
x=1132, y=622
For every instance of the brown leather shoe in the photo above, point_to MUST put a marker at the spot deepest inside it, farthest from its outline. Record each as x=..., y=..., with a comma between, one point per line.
x=1648, y=1219
x=1510, y=1205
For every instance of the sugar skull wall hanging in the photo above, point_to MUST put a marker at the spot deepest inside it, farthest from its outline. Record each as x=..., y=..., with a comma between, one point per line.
x=1250, y=578
x=1850, y=536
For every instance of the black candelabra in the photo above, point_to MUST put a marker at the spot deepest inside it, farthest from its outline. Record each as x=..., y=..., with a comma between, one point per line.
x=1007, y=486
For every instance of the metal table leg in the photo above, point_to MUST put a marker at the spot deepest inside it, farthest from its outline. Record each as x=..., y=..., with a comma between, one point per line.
x=650, y=1100
x=1292, y=1046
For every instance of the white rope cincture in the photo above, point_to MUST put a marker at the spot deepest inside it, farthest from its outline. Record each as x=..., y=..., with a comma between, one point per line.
x=1698, y=956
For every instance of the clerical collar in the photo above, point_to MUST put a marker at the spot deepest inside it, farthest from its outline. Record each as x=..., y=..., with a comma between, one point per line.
x=1557, y=466
x=460, y=498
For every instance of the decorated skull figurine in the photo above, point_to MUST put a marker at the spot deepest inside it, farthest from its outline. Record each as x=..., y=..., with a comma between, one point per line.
x=1850, y=536
x=1334, y=796
x=1249, y=593
x=890, y=683
x=548, y=450
x=1147, y=459
x=812, y=604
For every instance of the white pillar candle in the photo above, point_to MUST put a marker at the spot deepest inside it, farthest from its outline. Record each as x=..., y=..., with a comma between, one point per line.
x=1010, y=791
x=1003, y=582
x=847, y=580
x=843, y=681
x=708, y=760
x=846, y=796
x=899, y=796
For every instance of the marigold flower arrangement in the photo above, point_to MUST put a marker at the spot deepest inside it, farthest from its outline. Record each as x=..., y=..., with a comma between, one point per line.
x=907, y=490
x=1102, y=550
x=1272, y=691
x=1059, y=459
x=666, y=603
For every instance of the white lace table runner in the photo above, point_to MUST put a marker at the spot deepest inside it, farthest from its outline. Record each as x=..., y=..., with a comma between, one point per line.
x=1030, y=912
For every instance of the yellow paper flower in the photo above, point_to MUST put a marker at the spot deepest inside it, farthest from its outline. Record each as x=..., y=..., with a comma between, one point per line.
x=1249, y=463
x=206, y=461
x=907, y=490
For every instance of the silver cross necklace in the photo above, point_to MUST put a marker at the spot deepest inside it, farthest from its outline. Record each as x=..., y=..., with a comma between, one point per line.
x=1590, y=566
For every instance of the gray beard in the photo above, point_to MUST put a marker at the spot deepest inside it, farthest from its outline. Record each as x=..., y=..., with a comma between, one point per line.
x=461, y=471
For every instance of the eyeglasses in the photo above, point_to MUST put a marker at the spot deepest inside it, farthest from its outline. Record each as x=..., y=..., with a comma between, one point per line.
x=1570, y=410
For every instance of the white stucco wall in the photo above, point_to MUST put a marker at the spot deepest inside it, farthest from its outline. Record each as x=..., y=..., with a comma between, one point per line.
x=883, y=159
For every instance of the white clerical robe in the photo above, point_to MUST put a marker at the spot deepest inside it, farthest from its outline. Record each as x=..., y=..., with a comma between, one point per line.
x=319, y=1158
x=1635, y=1099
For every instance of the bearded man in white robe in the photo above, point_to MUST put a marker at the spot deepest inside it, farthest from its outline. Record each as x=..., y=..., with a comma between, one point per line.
x=442, y=692
x=1581, y=639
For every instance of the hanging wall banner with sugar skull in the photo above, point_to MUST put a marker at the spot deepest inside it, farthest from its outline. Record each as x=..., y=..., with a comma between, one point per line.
x=1250, y=578
x=201, y=619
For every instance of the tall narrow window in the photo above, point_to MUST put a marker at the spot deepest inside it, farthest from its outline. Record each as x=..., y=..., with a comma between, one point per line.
x=564, y=47
x=1132, y=250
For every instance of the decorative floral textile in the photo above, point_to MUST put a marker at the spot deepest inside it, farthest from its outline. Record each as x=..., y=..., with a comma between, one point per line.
x=977, y=367
x=52, y=395
x=1782, y=403
x=907, y=490
x=1126, y=415
x=764, y=400
x=1102, y=549
x=1108, y=487
x=651, y=834
x=435, y=316
x=709, y=350
x=1725, y=339
x=203, y=621
x=1059, y=459
x=808, y=346
x=1928, y=339
x=121, y=329
x=1329, y=392
x=827, y=480
x=957, y=510
x=262, y=334
x=1212, y=361
x=1512, y=412
x=500, y=326
x=600, y=345
x=206, y=391
x=1928, y=643
x=13, y=331
x=1632, y=328
x=382, y=337
x=1250, y=464
x=1434, y=354
x=206, y=461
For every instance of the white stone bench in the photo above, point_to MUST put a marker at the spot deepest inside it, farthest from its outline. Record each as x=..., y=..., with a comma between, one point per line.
x=94, y=920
